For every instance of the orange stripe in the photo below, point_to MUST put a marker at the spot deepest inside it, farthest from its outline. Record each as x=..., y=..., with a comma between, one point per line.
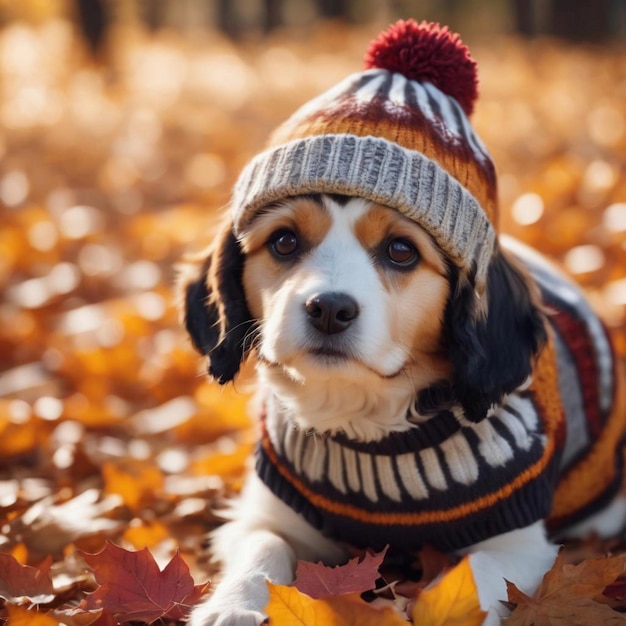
x=544, y=395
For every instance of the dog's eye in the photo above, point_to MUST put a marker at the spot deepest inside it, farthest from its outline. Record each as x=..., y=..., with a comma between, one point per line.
x=284, y=243
x=402, y=253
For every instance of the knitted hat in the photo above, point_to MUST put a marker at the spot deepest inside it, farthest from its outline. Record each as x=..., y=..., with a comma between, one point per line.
x=396, y=133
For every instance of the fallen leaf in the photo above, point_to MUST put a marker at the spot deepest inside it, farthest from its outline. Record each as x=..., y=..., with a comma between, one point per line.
x=19, y=616
x=77, y=616
x=47, y=527
x=224, y=463
x=569, y=595
x=136, y=482
x=616, y=592
x=146, y=534
x=318, y=581
x=289, y=607
x=132, y=587
x=452, y=601
x=433, y=563
x=22, y=584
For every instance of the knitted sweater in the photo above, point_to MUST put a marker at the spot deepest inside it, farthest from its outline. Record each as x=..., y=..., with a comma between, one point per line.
x=551, y=450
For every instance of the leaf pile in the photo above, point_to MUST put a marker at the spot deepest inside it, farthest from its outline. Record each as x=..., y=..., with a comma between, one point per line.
x=108, y=430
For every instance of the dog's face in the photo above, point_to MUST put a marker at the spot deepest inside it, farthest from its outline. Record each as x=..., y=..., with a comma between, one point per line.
x=344, y=284
x=352, y=308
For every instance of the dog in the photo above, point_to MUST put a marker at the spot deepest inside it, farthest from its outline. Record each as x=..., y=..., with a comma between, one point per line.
x=361, y=329
x=421, y=380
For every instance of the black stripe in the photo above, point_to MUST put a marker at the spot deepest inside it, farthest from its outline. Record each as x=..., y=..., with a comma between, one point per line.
x=361, y=82
x=404, y=493
x=431, y=433
x=445, y=467
x=409, y=96
x=501, y=428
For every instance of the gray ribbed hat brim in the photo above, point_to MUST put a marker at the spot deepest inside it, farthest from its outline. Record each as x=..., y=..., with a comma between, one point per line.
x=377, y=170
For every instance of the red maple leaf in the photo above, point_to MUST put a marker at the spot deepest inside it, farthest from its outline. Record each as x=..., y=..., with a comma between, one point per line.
x=133, y=588
x=319, y=581
x=22, y=584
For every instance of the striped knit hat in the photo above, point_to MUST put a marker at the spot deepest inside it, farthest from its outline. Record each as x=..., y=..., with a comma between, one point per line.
x=396, y=133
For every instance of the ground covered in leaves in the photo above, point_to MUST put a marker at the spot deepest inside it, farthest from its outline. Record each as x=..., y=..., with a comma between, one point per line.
x=113, y=447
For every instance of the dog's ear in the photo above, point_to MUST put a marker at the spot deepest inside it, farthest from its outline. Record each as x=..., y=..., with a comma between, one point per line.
x=214, y=307
x=492, y=345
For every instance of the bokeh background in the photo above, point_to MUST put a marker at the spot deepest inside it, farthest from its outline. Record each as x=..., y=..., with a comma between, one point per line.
x=123, y=125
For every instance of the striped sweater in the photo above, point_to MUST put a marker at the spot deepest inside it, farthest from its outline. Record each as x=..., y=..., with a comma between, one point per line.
x=553, y=449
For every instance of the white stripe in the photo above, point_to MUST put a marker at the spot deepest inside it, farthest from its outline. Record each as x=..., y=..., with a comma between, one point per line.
x=335, y=467
x=493, y=448
x=422, y=100
x=432, y=469
x=460, y=459
x=351, y=469
x=396, y=93
x=520, y=434
x=525, y=408
x=447, y=116
x=370, y=89
x=478, y=147
x=314, y=456
x=291, y=434
x=410, y=476
x=297, y=450
x=387, y=478
x=367, y=476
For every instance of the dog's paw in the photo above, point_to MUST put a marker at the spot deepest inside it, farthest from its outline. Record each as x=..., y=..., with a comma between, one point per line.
x=211, y=614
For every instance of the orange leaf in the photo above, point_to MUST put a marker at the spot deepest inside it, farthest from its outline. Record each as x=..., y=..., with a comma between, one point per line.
x=19, y=616
x=290, y=607
x=146, y=534
x=453, y=601
x=137, y=482
x=224, y=463
x=567, y=595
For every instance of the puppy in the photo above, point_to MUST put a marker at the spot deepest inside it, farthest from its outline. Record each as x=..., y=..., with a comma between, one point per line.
x=420, y=379
x=374, y=366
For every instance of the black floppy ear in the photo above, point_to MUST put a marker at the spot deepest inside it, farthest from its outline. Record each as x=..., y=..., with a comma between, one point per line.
x=493, y=348
x=214, y=307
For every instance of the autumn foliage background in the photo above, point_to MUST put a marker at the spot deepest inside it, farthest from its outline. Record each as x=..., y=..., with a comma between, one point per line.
x=111, y=168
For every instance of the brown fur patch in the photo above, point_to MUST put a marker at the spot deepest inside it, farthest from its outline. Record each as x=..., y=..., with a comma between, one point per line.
x=381, y=223
x=419, y=296
x=305, y=217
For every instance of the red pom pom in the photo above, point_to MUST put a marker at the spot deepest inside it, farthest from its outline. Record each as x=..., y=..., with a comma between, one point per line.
x=427, y=52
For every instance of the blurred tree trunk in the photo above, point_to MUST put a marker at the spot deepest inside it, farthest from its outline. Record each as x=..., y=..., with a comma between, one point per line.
x=93, y=21
x=580, y=20
x=153, y=14
x=227, y=18
x=272, y=15
x=334, y=8
x=525, y=18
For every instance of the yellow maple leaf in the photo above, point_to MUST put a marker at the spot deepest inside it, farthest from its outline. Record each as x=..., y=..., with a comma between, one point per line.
x=290, y=607
x=452, y=601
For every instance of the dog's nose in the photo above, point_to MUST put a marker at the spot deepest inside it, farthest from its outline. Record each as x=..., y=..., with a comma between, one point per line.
x=331, y=312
